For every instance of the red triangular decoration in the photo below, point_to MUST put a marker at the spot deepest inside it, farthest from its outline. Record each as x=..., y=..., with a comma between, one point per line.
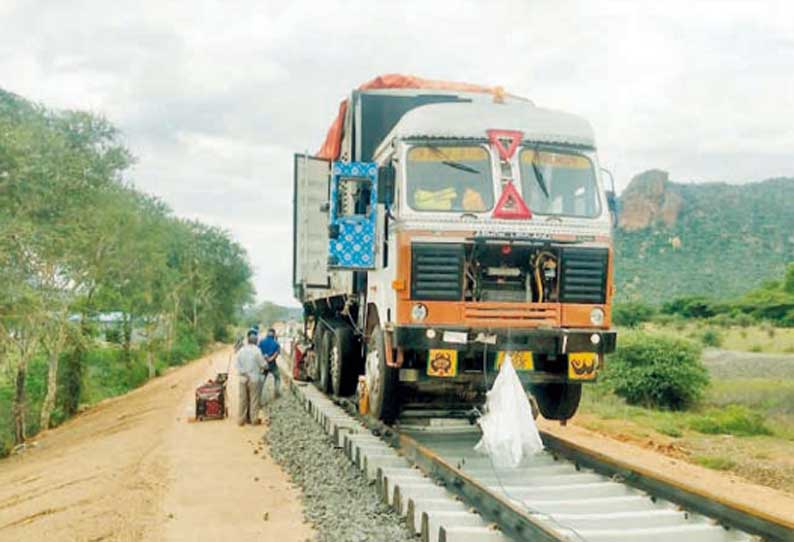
x=498, y=138
x=510, y=204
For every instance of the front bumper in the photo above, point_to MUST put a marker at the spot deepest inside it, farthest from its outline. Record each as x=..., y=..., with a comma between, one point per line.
x=537, y=340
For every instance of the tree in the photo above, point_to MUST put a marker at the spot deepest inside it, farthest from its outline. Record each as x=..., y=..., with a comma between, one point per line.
x=77, y=242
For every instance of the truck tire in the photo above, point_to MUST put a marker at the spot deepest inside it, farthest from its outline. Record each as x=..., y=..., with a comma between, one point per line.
x=382, y=381
x=323, y=361
x=343, y=362
x=313, y=363
x=557, y=401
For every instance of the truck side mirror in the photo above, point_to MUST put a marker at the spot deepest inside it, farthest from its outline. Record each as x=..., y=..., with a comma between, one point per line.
x=386, y=175
x=612, y=203
x=612, y=199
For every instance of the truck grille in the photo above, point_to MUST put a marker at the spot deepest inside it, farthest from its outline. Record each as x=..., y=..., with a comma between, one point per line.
x=583, y=276
x=496, y=315
x=437, y=271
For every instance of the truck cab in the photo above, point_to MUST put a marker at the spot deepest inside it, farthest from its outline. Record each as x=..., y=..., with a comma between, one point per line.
x=469, y=229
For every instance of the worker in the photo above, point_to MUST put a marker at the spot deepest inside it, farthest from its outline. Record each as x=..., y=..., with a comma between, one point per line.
x=249, y=365
x=270, y=350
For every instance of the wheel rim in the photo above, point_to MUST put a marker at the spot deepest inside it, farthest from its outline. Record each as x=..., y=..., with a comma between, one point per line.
x=335, y=367
x=373, y=375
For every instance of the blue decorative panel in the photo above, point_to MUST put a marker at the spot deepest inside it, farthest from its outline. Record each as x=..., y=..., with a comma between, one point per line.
x=351, y=242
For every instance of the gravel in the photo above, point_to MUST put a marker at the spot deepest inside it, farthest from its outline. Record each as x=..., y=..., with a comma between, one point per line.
x=338, y=500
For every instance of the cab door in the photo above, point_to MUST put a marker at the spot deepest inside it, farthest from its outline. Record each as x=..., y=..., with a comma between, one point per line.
x=352, y=215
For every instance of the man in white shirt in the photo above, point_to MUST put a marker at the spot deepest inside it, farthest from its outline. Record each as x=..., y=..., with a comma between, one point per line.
x=249, y=364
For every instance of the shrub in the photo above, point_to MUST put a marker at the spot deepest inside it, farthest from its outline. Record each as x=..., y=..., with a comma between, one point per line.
x=657, y=371
x=731, y=420
x=186, y=347
x=631, y=314
x=744, y=320
x=113, y=334
x=711, y=337
x=722, y=320
x=756, y=348
x=691, y=307
x=5, y=448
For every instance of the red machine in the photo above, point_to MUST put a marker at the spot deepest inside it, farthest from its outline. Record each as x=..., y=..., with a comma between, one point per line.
x=211, y=399
x=298, y=355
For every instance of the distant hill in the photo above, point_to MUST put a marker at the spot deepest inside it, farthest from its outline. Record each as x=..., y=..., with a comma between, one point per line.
x=712, y=239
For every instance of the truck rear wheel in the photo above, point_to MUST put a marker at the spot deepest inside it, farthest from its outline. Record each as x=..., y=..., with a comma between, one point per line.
x=343, y=361
x=313, y=366
x=382, y=381
x=557, y=401
x=323, y=361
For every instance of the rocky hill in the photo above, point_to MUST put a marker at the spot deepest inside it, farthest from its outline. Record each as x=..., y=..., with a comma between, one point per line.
x=711, y=239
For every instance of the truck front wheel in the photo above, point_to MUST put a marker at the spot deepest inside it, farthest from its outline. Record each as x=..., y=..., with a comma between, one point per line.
x=343, y=360
x=557, y=401
x=382, y=381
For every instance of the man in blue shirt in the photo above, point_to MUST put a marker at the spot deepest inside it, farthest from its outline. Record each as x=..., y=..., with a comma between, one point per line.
x=270, y=350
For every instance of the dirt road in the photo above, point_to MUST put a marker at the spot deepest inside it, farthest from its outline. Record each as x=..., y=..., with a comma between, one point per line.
x=134, y=469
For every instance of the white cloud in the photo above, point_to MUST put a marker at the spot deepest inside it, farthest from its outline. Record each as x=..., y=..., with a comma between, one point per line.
x=214, y=97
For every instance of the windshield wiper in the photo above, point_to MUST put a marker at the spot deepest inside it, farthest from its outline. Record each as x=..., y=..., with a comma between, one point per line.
x=462, y=167
x=539, y=175
x=452, y=163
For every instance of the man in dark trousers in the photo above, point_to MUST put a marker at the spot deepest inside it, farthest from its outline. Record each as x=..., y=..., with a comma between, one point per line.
x=270, y=350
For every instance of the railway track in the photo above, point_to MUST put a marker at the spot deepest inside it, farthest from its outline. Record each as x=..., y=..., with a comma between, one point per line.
x=429, y=473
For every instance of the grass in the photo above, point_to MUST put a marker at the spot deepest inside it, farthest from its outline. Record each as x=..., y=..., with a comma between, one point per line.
x=715, y=462
x=744, y=424
x=737, y=420
x=755, y=338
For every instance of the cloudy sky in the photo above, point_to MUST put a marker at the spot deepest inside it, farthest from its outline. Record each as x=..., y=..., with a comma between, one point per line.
x=215, y=97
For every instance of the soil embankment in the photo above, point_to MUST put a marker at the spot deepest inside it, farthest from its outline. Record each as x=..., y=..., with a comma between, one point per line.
x=135, y=469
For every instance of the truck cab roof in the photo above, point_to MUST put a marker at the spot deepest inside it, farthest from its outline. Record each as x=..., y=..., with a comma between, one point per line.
x=470, y=120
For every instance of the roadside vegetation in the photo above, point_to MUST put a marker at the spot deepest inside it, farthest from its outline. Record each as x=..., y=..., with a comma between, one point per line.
x=101, y=286
x=710, y=383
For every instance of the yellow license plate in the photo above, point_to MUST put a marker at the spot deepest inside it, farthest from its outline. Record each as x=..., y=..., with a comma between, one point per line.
x=582, y=365
x=522, y=360
x=442, y=363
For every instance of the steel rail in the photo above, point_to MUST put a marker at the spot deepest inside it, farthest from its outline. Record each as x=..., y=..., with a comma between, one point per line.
x=511, y=519
x=753, y=522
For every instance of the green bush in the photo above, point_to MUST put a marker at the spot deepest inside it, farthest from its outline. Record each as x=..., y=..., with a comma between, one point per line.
x=5, y=448
x=657, y=371
x=711, y=337
x=186, y=347
x=744, y=320
x=731, y=420
x=691, y=307
x=113, y=334
x=631, y=314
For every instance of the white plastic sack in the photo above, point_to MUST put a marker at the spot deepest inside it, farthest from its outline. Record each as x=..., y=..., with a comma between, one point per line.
x=509, y=433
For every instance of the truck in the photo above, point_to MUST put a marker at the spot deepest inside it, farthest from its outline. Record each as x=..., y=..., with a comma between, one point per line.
x=442, y=230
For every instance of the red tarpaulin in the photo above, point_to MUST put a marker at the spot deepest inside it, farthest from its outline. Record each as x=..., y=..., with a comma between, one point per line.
x=333, y=139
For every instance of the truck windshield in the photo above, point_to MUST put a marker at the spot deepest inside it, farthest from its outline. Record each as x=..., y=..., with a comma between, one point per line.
x=556, y=182
x=456, y=179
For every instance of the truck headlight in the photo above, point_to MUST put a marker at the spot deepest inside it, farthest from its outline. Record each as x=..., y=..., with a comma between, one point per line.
x=597, y=316
x=418, y=312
